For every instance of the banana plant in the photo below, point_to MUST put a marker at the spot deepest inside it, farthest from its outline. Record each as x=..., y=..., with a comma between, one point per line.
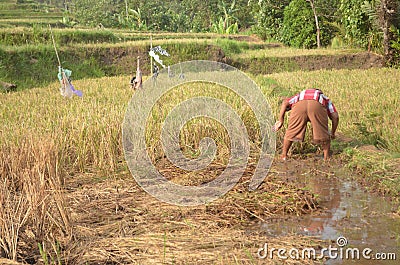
x=227, y=24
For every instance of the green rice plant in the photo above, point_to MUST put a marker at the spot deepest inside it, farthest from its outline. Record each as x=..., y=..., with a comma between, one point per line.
x=46, y=256
x=287, y=52
x=231, y=46
x=29, y=22
x=378, y=171
x=40, y=34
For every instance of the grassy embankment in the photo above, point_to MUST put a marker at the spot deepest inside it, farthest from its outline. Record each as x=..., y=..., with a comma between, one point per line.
x=28, y=56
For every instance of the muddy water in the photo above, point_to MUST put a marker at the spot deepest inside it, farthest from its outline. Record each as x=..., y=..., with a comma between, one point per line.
x=364, y=220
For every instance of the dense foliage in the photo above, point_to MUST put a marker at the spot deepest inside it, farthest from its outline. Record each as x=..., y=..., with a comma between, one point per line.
x=172, y=15
x=298, y=27
x=372, y=24
x=355, y=21
x=268, y=17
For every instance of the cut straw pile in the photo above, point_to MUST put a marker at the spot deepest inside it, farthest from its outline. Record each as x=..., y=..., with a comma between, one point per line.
x=116, y=221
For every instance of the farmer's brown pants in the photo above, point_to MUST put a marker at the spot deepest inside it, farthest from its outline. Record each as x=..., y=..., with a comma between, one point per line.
x=302, y=112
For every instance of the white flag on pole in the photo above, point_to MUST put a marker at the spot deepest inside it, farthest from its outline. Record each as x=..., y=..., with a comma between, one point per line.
x=160, y=50
x=153, y=53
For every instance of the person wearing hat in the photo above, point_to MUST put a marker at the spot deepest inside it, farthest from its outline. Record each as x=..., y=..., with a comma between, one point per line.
x=310, y=105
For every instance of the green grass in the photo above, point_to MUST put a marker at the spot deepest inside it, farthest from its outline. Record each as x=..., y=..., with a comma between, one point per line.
x=34, y=65
x=27, y=52
x=285, y=52
x=231, y=47
x=12, y=14
x=28, y=22
x=378, y=171
x=41, y=34
x=29, y=66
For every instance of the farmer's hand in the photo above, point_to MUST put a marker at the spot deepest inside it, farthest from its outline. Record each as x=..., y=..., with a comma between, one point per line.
x=277, y=126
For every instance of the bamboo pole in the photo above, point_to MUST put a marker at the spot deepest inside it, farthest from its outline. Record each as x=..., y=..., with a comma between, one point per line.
x=151, y=58
x=54, y=45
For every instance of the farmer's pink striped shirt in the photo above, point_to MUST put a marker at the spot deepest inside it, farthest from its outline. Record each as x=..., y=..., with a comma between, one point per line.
x=313, y=94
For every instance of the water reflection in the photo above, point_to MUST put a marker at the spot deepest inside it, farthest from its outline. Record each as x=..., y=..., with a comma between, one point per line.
x=364, y=220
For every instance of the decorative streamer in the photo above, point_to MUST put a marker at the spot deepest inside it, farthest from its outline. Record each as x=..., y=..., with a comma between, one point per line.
x=153, y=54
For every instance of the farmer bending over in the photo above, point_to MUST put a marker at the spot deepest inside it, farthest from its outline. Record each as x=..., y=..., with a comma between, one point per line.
x=308, y=105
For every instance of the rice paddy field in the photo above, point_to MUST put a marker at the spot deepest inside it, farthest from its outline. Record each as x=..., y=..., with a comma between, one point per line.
x=68, y=196
x=62, y=161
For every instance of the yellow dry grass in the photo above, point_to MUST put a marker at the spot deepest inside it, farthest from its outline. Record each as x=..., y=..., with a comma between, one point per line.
x=367, y=100
x=62, y=160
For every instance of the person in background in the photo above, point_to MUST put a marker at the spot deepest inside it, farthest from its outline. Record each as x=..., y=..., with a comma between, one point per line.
x=310, y=105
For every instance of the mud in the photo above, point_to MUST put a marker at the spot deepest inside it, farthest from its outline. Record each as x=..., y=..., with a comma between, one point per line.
x=346, y=210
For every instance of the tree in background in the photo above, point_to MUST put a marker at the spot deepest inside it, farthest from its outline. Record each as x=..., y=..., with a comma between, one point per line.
x=318, y=33
x=389, y=20
x=131, y=19
x=245, y=17
x=175, y=16
x=368, y=24
x=375, y=33
x=200, y=14
x=372, y=24
x=97, y=13
x=270, y=20
x=299, y=27
x=355, y=22
x=268, y=17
